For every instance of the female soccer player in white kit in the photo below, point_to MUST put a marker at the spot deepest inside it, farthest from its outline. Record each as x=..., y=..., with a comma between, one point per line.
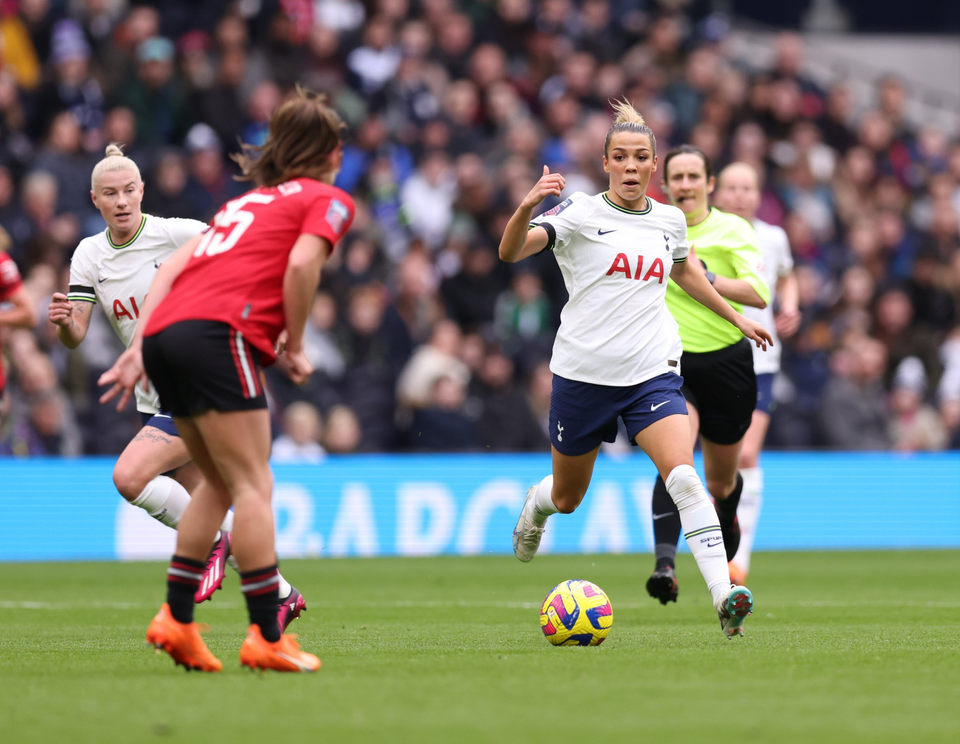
x=115, y=269
x=617, y=352
x=738, y=192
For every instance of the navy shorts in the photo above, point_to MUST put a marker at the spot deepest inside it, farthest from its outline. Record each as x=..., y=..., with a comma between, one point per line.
x=583, y=415
x=160, y=420
x=765, y=401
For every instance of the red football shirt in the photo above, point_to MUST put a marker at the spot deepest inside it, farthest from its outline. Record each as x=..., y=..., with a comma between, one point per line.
x=9, y=283
x=235, y=275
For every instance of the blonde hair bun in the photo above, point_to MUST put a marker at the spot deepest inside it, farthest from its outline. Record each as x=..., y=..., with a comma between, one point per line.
x=114, y=160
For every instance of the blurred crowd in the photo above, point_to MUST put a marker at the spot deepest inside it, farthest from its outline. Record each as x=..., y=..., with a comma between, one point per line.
x=422, y=338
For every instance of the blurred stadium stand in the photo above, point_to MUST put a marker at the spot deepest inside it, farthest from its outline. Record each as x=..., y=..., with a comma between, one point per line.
x=452, y=108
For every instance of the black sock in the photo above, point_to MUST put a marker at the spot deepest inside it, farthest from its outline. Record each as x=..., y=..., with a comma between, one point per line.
x=262, y=591
x=666, y=525
x=727, y=508
x=183, y=580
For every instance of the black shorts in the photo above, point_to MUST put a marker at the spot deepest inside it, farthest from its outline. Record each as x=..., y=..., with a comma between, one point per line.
x=722, y=386
x=203, y=365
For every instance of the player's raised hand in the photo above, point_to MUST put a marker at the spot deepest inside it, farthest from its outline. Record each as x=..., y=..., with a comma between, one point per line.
x=123, y=377
x=754, y=331
x=298, y=366
x=550, y=184
x=60, y=310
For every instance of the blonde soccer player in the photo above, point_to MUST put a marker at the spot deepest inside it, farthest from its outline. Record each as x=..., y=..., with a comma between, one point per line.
x=114, y=269
x=213, y=318
x=617, y=352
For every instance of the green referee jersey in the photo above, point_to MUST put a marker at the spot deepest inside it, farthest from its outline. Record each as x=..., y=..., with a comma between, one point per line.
x=728, y=245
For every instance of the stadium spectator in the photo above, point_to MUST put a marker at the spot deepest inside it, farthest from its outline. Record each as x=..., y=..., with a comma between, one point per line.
x=155, y=94
x=302, y=432
x=852, y=413
x=451, y=108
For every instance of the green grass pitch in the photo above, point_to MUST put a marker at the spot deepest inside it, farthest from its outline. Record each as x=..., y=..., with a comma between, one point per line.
x=842, y=647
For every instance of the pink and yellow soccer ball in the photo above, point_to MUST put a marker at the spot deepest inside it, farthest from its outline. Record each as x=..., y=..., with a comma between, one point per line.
x=576, y=613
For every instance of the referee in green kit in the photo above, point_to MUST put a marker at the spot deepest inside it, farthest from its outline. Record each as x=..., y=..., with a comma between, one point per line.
x=717, y=364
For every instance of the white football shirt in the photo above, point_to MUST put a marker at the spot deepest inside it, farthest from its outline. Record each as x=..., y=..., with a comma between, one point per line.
x=615, y=328
x=119, y=276
x=777, y=262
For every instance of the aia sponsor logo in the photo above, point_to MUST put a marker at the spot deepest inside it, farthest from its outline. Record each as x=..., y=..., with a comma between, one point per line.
x=621, y=265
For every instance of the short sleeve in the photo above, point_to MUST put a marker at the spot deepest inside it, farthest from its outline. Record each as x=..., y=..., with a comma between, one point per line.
x=562, y=221
x=329, y=216
x=183, y=230
x=682, y=249
x=10, y=280
x=82, y=279
x=747, y=258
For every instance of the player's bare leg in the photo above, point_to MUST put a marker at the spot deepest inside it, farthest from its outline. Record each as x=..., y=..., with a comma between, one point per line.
x=237, y=445
x=139, y=477
x=748, y=512
x=173, y=629
x=561, y=491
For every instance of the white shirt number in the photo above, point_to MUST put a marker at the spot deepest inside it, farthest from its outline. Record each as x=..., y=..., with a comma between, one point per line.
x=232, y=216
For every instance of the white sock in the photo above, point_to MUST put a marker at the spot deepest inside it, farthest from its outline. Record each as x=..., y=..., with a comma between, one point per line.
x=748, y=513
x=543, y=502
x=163, y=499
x=284, y=588
x=227, y=524
x=701, y=528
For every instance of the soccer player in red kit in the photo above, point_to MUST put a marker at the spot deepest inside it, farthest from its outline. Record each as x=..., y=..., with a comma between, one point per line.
x=212, y=318
x=16, y=307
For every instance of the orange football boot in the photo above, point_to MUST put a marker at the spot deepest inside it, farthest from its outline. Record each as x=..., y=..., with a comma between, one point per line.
x=182, y=641
x=283, y=656
x=737, y=574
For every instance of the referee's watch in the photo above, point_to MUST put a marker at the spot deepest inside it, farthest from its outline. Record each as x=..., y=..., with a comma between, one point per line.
x=711, y=277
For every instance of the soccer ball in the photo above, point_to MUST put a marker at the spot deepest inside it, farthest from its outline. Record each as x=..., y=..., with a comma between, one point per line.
x=576, y=613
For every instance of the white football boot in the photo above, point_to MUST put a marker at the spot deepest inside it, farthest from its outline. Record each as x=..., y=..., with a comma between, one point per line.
x=733, y=610
x=527, y=535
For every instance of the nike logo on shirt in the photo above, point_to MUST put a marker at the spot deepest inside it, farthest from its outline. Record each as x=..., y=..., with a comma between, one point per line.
x=661, y=516
x=605, y=232
x=655, y=407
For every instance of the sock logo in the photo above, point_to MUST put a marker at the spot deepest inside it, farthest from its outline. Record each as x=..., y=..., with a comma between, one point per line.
x=712, y=542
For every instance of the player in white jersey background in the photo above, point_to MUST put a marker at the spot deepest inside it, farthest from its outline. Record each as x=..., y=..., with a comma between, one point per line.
x=617, y=352
x=738, y=191
x=115, y=269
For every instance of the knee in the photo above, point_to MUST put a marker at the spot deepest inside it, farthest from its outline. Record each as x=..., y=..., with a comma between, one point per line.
x=685, y=487
x=567, y=499
x=749, y=457
x=256, y=485
x=129, y=480
x=720, y=488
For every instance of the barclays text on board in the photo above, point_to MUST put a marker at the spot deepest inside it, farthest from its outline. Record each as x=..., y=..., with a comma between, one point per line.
x=467, y=504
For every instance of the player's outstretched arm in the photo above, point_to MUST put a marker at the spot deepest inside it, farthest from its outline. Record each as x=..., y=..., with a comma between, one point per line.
x=518, y=240
x=71, y=318
x=735, y=290
x=691, y=279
